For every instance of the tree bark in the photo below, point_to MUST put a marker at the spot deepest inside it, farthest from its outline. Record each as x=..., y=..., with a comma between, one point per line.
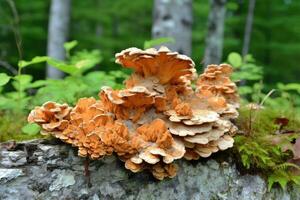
x=248, y=27
x=215, y=33
x=58, y=30
x=45, y=169
x=173, y=18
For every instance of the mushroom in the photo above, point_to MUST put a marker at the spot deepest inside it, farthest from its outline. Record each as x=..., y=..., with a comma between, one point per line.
x=162, y=170
x=51, y=116
x=87, y=121
x=156, y=119
x=216, y=79
x=127, y=103
x=156, y=144
x=163, y=64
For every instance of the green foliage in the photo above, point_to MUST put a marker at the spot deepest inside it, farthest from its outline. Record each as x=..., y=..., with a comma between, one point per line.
x=245, y=71
x=282, y=175
x=17, y=100
x=235, y=59
x=69, y=46
x=275, y=50
x=11, y=126
x=35, y=60
x=71, y=88
x=4, y=78
x=158, y=41
x=251, y=87
x=261, y=147
x=289, y=87
x=248, y=75
x=78, y=63
x=97, y=25
x=77, y=85
x=31, y=129
x=26, y=93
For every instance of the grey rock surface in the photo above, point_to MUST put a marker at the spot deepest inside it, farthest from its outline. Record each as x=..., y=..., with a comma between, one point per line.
x=41, y=170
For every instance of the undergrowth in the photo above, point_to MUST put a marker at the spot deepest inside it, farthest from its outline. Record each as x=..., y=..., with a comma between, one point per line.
x=12, y=128
x=269, y=124
x=266, y=145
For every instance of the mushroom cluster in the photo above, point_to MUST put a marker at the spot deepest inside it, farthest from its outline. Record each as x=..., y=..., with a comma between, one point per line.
x=156, y=119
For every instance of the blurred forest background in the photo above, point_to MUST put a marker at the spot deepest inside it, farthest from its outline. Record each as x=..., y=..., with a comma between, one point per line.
x=111, y=26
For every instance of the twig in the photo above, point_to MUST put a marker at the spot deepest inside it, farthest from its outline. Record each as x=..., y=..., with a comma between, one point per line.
x=87, y=171
x=8, y=67
x=18, y=39
x=15, y=27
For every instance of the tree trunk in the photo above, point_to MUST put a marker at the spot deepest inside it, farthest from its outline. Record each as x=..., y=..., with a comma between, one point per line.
x=173, y=18
x=58, y=31
x=215, y=33
x=248, y=28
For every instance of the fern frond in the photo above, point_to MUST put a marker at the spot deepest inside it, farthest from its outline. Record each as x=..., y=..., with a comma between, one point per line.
x=285, y=166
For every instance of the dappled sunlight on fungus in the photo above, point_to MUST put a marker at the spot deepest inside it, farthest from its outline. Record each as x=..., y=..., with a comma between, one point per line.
x=156, y=119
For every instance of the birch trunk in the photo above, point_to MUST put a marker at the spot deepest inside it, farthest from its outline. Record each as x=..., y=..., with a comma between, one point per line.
x=248, y=28
x=215, y=33
x=173, y=18
x=58, y=30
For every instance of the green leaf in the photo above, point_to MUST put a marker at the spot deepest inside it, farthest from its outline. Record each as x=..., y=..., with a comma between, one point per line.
x=35, y=60
x=4, y=102
x=158, y=41
x=4, y=79
x=16, y=94
x=280, y=177
x=37, y=84
x=232, y=6
x=235, y=59
x=85, y=60
x=245, y=161
x=282, y=182
x=22, y=80
x=69, y=46
x=249, y=58
x=31, y=129
x=271, y=181
x=289, y=86
x=243, y=90
x=296, y=179
x=69, y=69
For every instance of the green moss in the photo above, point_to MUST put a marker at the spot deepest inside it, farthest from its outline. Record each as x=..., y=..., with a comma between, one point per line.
x=263, y=121
x=266, y=146
x=11, y=125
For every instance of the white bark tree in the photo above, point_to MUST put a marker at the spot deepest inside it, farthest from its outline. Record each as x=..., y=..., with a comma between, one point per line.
x=248, y=27
x=215, y=33
x=173, y=18
x=58, y=30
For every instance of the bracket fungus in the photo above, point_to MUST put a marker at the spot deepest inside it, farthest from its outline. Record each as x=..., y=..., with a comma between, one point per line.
x=156, y=119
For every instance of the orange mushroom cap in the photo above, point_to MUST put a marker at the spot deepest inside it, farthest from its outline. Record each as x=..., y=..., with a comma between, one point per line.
x=167, y=66
x=52, y=117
